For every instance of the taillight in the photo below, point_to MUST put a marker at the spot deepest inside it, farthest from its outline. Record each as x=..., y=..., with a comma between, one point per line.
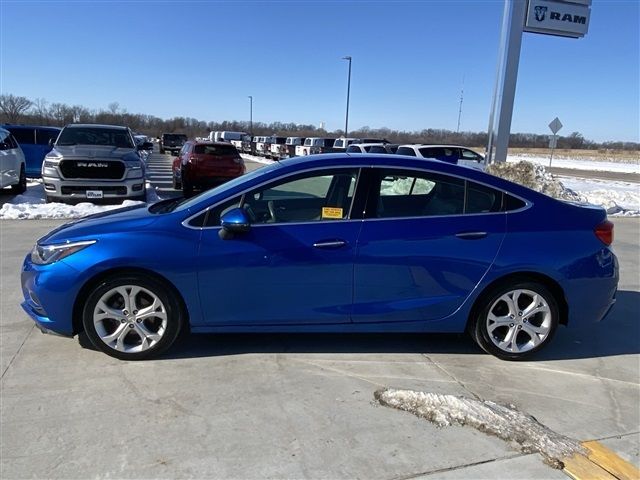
x=604, y=231
x=192, y=158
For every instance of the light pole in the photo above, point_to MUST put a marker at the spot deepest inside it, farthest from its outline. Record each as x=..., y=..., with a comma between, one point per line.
x=250, y=115
x=346, y=119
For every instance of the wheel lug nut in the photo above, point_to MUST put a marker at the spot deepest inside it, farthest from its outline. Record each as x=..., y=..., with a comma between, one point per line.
x=131, y=325
x=122, y=321
x=519, y=327
x=524, y=320
x=519, y=314
x=135, y=312
x=511, y=325
x=125, y=312
x=512, y=316
x=138, y=320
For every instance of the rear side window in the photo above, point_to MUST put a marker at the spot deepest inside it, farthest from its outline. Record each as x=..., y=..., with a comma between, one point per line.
x=215, y=150
x=406, y=151
x=24, y=136
x=512, y=203
x=354, y=149
x=377, y=149
x=481, y=199
x=43, y=135
x=406, y=193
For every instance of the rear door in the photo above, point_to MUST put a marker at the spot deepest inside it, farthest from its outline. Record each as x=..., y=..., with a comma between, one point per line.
x=427, y=241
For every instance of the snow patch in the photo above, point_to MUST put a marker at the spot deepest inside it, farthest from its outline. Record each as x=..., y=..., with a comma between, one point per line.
x=578, y=163
x=503, y=421
x=32, y=205
x=256, y=159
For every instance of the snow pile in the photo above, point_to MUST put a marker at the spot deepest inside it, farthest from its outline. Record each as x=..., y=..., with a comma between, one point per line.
x=533, y=176
x=503, y=421
x=32, y=205
x=617, y=198
x=578, y=163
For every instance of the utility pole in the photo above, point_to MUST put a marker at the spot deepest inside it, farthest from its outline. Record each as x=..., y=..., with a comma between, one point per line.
x=460, y=109
x=250, y=115
x=346, y=120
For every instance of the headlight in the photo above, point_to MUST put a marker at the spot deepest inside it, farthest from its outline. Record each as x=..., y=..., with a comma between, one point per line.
x=46, y=254
x=48, y=164
x=135, y=172
x=53, y=156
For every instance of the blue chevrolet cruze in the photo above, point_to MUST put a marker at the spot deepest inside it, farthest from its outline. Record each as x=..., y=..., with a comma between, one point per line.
x=330, y=243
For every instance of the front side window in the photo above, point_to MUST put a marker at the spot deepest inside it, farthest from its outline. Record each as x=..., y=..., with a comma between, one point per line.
x=406, y=151
x=407, y=193
x=24, y=136
x=309, y=197
x=470, y=155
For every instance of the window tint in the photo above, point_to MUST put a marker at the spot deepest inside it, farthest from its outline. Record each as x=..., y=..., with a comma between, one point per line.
x=512, y=203
x=470, y=155
x=43, y=135
x=353, y=149
x=215, y=150
x=405, y=193
x=481, y=199
x=24, y=136
x=377, y=149
x=116, y=137
x=311, y=197
x=406, y=151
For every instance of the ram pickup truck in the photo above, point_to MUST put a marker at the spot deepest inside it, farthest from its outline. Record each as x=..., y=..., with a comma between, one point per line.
x=93, y=162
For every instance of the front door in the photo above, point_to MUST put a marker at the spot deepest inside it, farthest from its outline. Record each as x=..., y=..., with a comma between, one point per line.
x=295, y=265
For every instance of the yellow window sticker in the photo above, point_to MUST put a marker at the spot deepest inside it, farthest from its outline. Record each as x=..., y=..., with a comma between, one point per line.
x=331, y=212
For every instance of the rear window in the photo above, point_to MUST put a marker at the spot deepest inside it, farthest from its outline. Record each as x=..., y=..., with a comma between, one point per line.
x=353, y=149
x=339, y=144
x=43, y=135
x=24, y=136
x=215, y=150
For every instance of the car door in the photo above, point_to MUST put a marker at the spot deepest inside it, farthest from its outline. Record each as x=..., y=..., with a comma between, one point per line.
x=426, y=243
x=295, y=265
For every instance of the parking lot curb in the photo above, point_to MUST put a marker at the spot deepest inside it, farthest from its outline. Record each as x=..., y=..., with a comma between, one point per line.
x=599, y=463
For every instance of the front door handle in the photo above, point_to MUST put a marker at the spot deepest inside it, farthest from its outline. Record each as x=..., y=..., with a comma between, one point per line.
x=471, y=235
x=330, y=244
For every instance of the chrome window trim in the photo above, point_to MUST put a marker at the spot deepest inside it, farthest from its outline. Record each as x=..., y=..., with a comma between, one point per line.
x=527, y=203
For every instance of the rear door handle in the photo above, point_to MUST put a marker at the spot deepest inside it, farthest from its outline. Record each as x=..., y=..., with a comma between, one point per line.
x=330, y=244
x=471, y=235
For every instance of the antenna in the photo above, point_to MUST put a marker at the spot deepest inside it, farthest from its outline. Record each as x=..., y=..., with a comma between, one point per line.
x=461, y=100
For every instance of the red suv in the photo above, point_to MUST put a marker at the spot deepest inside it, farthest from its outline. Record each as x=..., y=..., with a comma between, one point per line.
x=205, y=164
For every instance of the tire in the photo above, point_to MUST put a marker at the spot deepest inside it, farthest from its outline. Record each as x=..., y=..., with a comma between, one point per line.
x=120, y=334
x=48, y=199
x=502, y=326
x=187, y=187
x=162, y=150
x=20, y=187
x=176, y=184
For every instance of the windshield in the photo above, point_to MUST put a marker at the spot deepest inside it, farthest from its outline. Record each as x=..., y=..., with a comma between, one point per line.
x=114, y=137
x=176, y=137
x=188, y=203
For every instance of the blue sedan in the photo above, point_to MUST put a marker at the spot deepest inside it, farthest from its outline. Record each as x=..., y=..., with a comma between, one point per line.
x=330, y=243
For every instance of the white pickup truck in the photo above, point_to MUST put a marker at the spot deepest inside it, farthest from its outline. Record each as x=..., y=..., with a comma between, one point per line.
x=313, y=145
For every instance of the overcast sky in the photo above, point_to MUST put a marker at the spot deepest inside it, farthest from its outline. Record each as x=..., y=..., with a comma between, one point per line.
x=202, y=59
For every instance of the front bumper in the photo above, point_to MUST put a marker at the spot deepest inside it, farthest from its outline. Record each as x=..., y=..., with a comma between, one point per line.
x=49, y=295
x=60, y=189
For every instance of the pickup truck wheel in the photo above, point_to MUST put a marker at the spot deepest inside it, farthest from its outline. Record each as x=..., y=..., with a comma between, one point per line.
x=21, y=186
x=162, y=150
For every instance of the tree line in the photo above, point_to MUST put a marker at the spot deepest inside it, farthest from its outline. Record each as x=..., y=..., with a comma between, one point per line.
x=18, y=109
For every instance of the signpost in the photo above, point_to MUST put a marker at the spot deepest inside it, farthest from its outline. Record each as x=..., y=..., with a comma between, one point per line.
x=565, y=18
x=555, y=127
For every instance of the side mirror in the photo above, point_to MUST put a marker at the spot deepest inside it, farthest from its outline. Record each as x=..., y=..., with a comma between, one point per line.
x=51, y=142
x=233, y=222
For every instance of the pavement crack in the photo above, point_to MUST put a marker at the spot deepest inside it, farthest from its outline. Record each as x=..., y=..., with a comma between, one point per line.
x=452, y=377
x=459, y=467
x=15, y=355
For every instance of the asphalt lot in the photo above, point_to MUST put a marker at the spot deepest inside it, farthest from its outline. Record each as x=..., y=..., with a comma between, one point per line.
x=301, y=406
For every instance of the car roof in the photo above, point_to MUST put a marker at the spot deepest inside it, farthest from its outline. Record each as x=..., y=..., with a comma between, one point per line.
x=95, y=125
x=432, y=145
x=48, y=127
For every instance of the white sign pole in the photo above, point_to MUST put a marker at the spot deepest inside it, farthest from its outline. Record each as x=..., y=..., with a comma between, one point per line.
x=555, y=127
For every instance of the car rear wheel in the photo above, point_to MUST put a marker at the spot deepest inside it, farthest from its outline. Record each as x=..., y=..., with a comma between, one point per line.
x=21, y=186
x=131, y=317
x=514, y=321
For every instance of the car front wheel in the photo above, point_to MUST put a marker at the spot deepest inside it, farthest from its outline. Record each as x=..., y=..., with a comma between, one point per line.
x=132, y=317
x=515, y=321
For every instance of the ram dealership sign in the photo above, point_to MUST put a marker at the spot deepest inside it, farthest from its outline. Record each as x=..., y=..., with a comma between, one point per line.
x=564, y=18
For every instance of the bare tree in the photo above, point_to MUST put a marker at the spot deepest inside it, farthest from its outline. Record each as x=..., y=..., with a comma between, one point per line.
x=14, y=106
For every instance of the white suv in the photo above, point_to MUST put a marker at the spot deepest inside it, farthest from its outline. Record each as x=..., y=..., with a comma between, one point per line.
x=13, y=171
x=445, y=153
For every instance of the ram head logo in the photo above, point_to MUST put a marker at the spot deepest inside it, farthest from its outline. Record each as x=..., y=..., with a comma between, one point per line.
x=541, y=12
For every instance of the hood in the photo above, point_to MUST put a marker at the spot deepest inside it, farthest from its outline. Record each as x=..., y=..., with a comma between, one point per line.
x=126, y=219
x=102, y=152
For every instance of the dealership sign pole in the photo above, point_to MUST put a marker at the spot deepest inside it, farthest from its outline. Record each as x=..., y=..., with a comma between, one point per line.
x=551, y=17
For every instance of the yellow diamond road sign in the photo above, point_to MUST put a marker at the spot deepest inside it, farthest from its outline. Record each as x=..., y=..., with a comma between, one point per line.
x=555, y=125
